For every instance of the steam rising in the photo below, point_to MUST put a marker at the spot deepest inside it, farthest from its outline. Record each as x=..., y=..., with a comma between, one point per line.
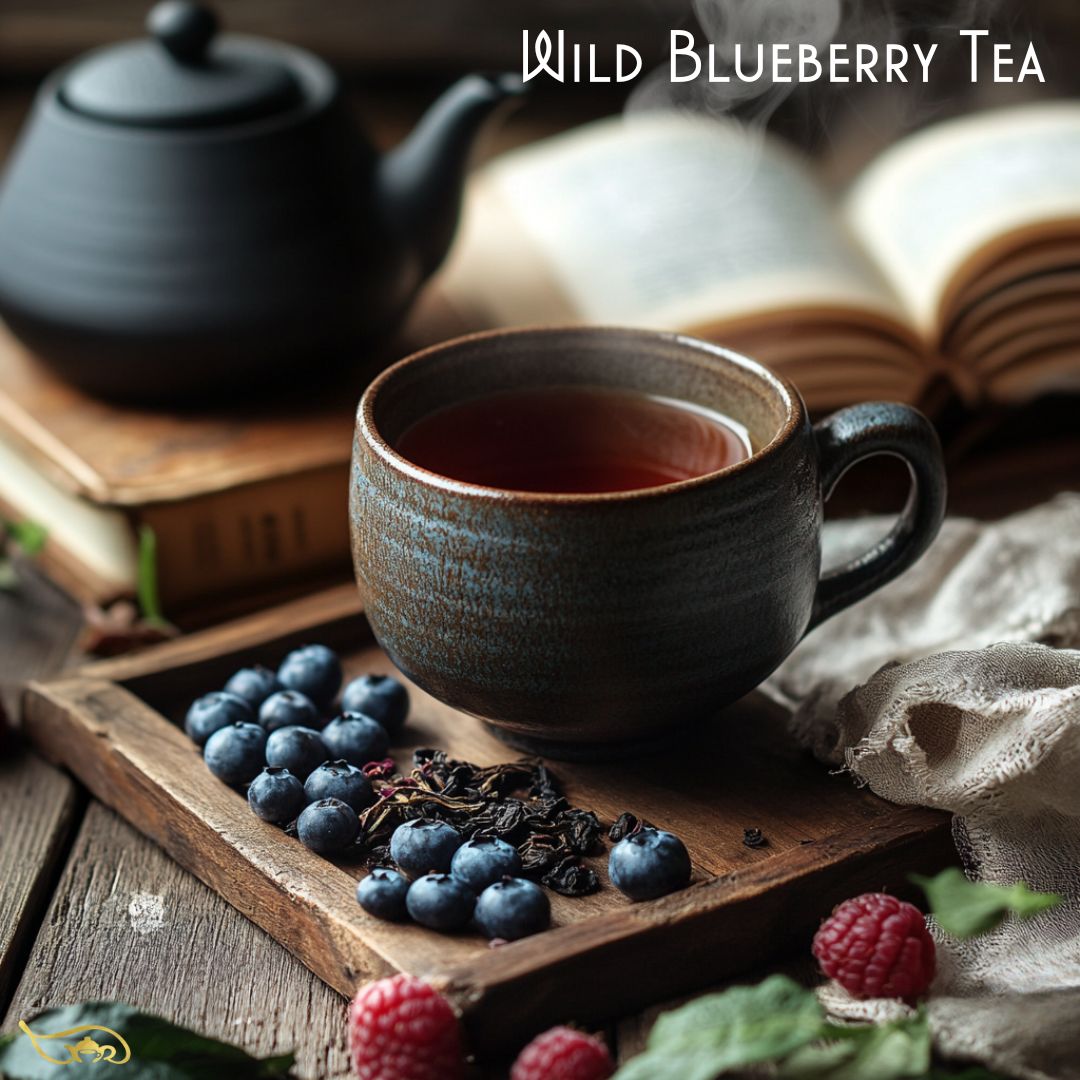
x=748, y=23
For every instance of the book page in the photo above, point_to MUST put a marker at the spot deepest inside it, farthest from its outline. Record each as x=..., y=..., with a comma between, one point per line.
x=660, y=219
x=103, y=541
x=929, y=206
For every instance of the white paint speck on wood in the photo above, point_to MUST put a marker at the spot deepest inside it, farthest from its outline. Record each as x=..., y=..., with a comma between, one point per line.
x=147, y=912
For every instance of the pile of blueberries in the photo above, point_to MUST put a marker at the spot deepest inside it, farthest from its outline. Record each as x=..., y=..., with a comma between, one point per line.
x=271, y=731
x=455, y=881
x=444, y=881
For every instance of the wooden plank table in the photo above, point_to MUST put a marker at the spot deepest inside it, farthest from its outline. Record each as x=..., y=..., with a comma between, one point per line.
x=89, y=908
x=125, y=921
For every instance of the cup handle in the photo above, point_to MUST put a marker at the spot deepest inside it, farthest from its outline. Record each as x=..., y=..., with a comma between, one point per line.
x=863, y=431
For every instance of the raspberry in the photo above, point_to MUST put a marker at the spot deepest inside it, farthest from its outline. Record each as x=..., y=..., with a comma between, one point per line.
x=403, y=1029
x=563, y=1054
x=876, y=946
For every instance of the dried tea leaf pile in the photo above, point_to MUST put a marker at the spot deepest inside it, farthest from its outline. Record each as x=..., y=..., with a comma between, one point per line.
x=519, y=802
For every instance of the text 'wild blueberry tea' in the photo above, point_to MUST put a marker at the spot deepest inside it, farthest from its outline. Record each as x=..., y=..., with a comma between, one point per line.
x=573, y=439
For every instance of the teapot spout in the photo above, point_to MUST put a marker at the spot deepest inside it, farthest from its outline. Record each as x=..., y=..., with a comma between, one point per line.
x=421, y=181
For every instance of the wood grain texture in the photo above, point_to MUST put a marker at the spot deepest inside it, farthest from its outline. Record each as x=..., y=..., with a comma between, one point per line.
x=38, y=807
x=827, y=840
x=128, y=457
x=38, y=804
x=127, y=923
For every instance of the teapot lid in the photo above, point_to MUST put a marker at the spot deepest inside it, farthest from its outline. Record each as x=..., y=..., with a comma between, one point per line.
x=182, y=76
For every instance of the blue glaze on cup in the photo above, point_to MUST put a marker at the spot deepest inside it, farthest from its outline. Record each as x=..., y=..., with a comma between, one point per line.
x=589, y=625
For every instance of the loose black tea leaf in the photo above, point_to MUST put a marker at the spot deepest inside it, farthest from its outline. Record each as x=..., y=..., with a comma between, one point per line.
x=626, y=824
x=519, y=802
x=539, y=856
x=571, y=878
x=582, y=829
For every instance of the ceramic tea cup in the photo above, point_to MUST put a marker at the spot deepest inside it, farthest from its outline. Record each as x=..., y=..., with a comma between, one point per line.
x=590, y=625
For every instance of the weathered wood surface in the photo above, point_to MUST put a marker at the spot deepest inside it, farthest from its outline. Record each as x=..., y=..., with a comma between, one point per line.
x=128, y=923
x=827, y=839
x=38, y=806
x=81, y=922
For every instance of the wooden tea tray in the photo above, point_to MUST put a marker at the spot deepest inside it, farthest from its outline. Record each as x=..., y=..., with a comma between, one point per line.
x=114, y=725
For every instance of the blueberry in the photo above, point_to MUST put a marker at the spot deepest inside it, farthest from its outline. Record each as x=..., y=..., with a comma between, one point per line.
x=340, y=780
x=382, y=894
x=254, y=685
x=440, y=902
x=298, y=749
x=235, y=753
x=513, y=908
x=289, y=708
x=327, y=826
x=314, y=670
x=648, y=864
x=381, y=697
x=423, y=846
x=481, y=862
x=357, y=739
x=276, y=795
x=214, y=711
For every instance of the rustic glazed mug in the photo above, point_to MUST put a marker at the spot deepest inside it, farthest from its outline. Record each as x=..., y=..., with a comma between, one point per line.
x=583, y=625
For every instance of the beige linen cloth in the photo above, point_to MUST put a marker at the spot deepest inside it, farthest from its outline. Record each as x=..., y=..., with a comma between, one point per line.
x=958, y=687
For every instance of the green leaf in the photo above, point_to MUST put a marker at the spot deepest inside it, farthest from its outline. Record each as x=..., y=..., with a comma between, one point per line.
x=896, y=1051
x=718, y=1032
x=29, y=535
x=147, y=583
x=966, y=908
x=817, y=1060
x=158, y=1049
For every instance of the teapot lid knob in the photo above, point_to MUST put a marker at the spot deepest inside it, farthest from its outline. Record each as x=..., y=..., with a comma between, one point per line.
x=185, y=29
x=185, y=75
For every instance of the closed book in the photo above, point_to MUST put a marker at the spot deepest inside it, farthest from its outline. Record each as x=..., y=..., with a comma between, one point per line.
x=245, y=500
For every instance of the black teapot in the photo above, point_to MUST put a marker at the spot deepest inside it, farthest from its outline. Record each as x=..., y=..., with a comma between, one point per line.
x=194, y=209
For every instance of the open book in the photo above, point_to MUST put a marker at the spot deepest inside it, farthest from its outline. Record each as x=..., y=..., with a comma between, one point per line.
x=953, y=260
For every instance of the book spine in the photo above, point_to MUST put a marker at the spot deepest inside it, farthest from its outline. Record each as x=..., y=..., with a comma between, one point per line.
x=216, y=548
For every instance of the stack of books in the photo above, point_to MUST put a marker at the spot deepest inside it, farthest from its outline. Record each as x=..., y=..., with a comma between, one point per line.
x=243, y=503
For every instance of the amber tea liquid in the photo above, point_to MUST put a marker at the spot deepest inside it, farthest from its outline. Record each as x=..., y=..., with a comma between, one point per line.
x=573, y=439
